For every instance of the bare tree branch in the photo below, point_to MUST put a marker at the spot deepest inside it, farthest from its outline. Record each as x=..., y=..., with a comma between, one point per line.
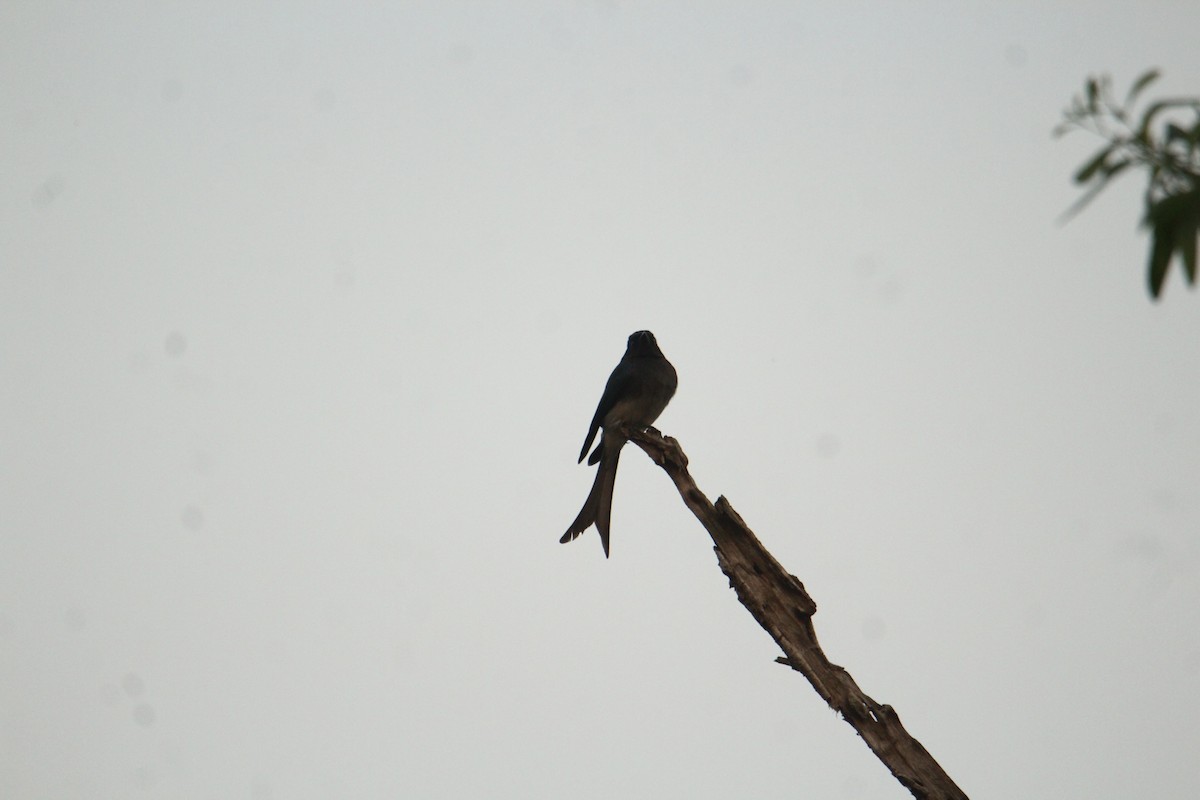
x=784, y=609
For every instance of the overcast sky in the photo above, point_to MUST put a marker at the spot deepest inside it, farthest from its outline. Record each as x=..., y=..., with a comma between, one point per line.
x=306, y=308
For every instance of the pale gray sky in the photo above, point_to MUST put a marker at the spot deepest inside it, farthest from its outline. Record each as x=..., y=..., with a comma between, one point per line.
x=306, y=308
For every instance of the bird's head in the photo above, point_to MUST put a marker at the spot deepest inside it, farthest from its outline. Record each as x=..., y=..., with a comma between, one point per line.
x=642, y=343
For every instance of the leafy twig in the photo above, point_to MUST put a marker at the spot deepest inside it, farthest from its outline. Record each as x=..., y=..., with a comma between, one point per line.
x=1171, y=157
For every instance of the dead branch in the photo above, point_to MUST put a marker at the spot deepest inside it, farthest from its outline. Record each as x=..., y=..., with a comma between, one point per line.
x=784, y=609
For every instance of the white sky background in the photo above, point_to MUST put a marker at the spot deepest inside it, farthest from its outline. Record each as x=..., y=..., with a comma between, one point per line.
x=306, y=308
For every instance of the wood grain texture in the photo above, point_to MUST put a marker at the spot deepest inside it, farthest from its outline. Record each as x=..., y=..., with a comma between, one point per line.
x=784, y=609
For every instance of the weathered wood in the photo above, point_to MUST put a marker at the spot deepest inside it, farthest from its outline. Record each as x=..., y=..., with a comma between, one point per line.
x=781, y=605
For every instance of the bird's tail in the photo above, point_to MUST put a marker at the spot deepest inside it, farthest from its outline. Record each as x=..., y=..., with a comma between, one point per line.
x=597, y=509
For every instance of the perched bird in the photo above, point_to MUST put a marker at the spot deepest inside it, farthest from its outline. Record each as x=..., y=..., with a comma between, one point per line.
x=636, y=393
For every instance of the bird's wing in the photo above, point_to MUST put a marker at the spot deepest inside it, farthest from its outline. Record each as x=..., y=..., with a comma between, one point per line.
x=617, y=384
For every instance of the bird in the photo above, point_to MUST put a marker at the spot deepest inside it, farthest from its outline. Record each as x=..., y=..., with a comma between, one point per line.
x=637, y=391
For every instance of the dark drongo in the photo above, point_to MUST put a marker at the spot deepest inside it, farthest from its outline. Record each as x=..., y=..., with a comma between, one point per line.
x=637, y=392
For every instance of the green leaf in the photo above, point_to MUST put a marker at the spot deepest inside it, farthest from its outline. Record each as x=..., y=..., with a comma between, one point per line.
x=1185, y=243
x=1079, y=205
x=1187, y=230
x=1117, y=167
x=1146, y=78
x=1176, y=223
x=1193, y=137
x=1173, y=208
x=1085, y=173
x=1093, y=90
x=1160, y=256
x=1148, y=117
x=1154, y=109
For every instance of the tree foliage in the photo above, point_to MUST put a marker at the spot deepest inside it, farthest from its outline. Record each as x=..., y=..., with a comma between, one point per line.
x=1163, y=140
